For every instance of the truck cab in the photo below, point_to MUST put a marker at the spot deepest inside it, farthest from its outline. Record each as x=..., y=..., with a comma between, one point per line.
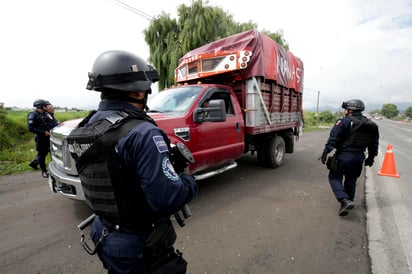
x=206, y=118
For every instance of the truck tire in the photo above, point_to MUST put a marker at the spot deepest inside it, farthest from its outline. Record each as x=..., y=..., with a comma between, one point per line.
x=274, y=152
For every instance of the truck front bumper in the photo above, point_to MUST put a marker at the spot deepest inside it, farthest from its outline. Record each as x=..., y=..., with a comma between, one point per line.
x=64, y=184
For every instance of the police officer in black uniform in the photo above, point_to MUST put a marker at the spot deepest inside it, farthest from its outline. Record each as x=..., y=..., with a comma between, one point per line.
x=139, y=237
x=351, y=136
x=40, y=122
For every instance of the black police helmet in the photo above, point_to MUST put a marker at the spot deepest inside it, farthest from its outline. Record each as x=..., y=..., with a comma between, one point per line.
x=40, y=103
x=354, y=104
x=122, y=71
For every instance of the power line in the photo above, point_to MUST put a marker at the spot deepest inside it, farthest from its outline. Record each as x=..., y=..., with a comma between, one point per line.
x=311, y=89
x=132, y=9
x=320, y=95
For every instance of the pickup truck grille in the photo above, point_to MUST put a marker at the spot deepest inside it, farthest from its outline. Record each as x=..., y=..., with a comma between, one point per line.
x=60, y=154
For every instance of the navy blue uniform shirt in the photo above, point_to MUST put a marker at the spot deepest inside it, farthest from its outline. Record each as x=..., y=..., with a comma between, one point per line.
x=39, y=123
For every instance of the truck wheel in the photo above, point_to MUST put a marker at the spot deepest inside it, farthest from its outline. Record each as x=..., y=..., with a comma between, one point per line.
x=275, y=152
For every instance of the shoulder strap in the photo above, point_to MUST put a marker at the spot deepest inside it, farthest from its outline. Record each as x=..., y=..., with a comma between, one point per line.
x=352, y=130
x=87, y=118
x=107, y=140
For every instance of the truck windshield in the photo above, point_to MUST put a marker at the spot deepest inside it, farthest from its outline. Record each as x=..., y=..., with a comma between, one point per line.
x=174, y=100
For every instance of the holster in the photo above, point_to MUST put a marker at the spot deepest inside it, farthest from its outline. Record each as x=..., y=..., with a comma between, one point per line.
x=332, y=163
x=170, y=263
x=161, y=239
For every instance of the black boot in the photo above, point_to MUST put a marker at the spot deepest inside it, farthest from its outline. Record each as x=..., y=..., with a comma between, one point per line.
x=45, y=174
x=346, y=205
x=34, y=164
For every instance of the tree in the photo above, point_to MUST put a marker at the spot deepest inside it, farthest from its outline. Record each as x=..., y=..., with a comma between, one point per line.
x=198, y=24
x=309, y=119
x=326, y=116
x=389, y=110
x=162, y=38
x=408, y=112
x=375, y=112
x=277, y=37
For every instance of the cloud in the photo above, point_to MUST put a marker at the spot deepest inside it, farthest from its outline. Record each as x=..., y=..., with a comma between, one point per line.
x=350, y=48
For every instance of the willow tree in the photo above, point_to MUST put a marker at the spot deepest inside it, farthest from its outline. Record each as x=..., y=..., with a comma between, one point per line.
x=162, y=38
x=198, y=24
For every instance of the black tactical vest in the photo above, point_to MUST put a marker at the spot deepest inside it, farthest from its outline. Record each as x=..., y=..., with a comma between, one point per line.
x=360, y=135
x=108, y=187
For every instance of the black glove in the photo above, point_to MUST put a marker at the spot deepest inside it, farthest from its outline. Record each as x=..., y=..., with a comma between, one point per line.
x=324, y=157
x=369, y=161
x=179, y=162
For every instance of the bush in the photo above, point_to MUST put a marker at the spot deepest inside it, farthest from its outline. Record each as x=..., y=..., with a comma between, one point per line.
x=325, y=119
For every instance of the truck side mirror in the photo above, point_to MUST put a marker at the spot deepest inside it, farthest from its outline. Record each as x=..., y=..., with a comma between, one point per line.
x=215, y=112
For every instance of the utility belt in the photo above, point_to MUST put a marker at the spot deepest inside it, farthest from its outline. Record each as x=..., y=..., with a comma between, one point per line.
x=159, y=245
x=350, y=149
x=108, y=227
x=112, y=226
x=161, y=237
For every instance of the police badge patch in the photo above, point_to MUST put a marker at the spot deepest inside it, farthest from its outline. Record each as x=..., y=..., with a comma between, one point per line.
x=168, y=169
x=160, y=143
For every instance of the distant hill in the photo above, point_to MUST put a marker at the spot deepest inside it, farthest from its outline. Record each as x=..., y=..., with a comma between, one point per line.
x=401, y=106
x=369, y=107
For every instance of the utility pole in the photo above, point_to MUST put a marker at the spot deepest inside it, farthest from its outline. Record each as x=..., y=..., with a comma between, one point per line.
x=317, y=108
x=317, y=103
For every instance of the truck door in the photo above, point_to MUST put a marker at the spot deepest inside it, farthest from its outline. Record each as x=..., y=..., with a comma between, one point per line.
x=218, y=142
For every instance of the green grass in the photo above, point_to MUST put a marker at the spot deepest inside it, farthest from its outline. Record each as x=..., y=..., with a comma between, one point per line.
x=313, y=128
x=17, y=146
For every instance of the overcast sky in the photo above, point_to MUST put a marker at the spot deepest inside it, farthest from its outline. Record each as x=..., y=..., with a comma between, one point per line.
x=350, y=48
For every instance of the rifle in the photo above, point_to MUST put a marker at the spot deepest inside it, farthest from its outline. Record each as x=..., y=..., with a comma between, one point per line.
x=180, y=156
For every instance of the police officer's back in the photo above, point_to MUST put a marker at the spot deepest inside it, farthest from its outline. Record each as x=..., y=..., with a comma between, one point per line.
x=350, y=137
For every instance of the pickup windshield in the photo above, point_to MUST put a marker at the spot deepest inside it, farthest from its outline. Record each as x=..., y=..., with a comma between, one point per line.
x=174, y=100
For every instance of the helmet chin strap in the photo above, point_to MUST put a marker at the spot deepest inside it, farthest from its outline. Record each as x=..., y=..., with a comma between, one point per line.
x=134, y=100
x=139, y=101
x=125, y=97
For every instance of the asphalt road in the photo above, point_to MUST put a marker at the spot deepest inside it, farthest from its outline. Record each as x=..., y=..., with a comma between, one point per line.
x=248, y=220
x=389, y=207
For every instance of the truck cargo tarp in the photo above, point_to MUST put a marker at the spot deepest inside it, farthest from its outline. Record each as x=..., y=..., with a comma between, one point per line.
x=268, y=58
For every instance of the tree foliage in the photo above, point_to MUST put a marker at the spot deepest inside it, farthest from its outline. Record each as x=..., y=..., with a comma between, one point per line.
x=162, y=38
x=277, y=37
x=408, y=112
x=326, y=117
x=389, y=110
x=169, y=39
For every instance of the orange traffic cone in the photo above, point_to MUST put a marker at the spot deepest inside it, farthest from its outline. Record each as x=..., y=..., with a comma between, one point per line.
x=388, y=166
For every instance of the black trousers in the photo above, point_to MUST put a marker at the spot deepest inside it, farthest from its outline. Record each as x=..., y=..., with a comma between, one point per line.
x=43, y=148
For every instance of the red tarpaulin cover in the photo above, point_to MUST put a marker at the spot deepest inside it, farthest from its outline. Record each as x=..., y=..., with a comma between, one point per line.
x=268, y=58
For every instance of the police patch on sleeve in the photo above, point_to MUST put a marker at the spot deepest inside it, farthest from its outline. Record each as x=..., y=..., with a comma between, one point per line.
x=168, y=169
x=160, y=143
